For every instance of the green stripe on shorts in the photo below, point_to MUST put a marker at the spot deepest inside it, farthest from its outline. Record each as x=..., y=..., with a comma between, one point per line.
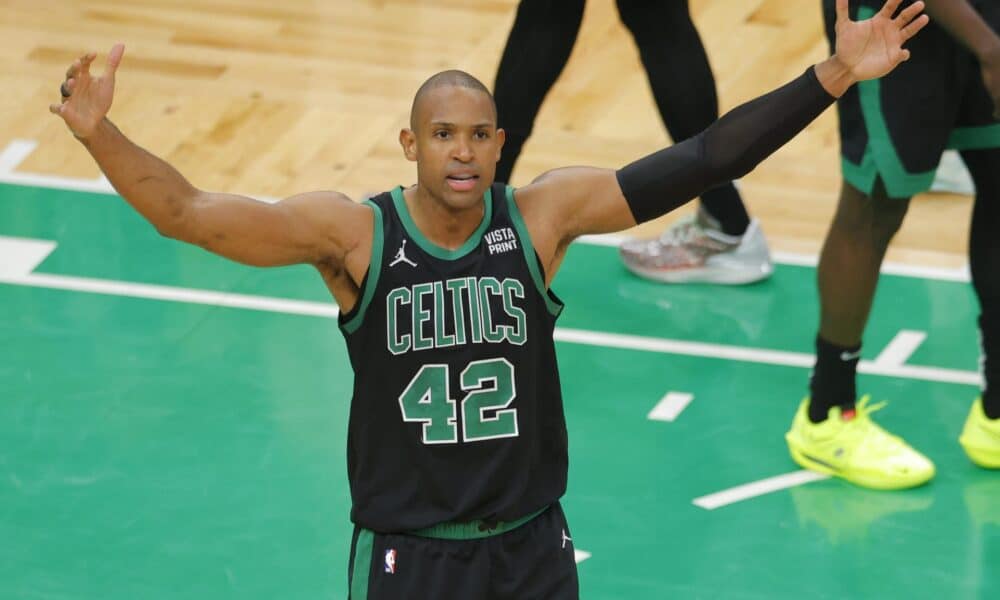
x=880, y=159
x=975, y=138
x=362, y=564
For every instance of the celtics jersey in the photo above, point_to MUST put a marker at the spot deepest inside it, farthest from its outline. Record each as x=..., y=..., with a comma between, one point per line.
x=457, y=410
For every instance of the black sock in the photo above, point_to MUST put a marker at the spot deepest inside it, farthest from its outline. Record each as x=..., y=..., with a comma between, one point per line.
x=833, y=379
x=989, y=332
x=726, y=207
x=984, y=262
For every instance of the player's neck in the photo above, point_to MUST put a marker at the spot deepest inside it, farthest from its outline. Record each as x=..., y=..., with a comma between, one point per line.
x=445, y=226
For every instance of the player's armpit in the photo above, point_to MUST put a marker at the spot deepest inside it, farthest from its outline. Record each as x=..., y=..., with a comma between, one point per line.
x=575, y=201
x=311, y=228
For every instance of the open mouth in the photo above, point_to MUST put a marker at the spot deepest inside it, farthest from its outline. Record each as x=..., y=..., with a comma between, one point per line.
x=462, y=183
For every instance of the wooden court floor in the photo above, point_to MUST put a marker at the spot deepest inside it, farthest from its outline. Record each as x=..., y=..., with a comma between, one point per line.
x=274, y=98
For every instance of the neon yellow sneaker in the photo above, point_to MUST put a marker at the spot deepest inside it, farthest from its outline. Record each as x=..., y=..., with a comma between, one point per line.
x=856, y=449
x=981, y=437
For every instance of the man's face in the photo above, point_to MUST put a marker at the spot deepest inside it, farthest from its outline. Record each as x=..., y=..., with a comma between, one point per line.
x=455, y=143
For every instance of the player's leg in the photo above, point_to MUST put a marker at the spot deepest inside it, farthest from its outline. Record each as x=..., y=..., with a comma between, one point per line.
x=847, y=276
x=977, y=137
x=981, y=434
x=829, y=433
x=720, y=245
x=892, y=132
x=536, y=560
x=538, y=46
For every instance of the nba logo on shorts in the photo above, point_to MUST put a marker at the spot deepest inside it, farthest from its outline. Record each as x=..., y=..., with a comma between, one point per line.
x=390, y=560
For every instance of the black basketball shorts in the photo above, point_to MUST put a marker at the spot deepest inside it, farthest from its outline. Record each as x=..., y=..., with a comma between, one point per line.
x=529, y=558
x=895, y=128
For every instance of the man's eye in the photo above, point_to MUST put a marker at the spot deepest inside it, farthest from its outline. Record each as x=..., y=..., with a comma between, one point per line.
x=441, y=134
x=482, y=135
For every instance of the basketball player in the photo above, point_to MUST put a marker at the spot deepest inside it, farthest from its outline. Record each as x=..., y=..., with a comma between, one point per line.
x=457, y=453
x=893, y=132
x=721, y=243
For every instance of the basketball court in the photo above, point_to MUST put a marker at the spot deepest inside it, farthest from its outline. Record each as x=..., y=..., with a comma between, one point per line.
x=173, y=425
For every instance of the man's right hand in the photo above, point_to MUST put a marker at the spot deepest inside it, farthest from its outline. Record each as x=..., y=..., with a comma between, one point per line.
x=90, y=97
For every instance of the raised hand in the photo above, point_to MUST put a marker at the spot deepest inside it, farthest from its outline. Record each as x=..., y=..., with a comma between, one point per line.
x=872, y=48
x=87, y=99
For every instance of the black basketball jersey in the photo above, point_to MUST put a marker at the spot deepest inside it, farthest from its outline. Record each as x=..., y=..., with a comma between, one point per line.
x=457, y=409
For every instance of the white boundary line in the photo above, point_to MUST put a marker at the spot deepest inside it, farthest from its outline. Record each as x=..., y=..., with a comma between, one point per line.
x=757, y=488
x=17, y=150
x=755, y=355
x=14, y=274
x=15, y=153
x=20, y=256
x=900, y=348
x=173, y=294
x=670, y=407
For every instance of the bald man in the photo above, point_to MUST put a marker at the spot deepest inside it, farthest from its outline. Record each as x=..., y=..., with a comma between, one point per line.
x=457, y=453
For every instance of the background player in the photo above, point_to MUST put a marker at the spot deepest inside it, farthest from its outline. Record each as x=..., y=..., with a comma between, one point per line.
x=891, y=145
x=721, y=243
x=459, y=498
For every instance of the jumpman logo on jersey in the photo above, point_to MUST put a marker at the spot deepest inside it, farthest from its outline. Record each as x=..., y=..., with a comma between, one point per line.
x=401, y=257
x=565, y=538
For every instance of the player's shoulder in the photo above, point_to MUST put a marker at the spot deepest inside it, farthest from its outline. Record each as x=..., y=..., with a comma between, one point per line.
x=326, y=204
x=562, y=186
x=334, y=214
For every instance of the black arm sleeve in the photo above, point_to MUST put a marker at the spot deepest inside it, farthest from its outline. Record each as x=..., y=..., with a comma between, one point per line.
x=730, y=148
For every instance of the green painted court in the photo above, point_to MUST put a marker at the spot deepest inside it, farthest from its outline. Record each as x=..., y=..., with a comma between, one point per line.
x=157, y=441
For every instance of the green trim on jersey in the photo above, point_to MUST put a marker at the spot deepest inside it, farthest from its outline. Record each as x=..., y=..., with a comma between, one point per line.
x=529, y=254
x=362, y=564
x=430, y=247
x=975, y=138
x=374, y=268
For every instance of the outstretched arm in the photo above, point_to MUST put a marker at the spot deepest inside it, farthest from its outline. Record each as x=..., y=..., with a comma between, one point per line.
x=599, y=200
x=311, y=228
x=968, y=27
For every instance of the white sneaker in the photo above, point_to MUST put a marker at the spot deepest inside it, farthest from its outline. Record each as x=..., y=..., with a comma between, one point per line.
x=952, y=176
x=696, y=250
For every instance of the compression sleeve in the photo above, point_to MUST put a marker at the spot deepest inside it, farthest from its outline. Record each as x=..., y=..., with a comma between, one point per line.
x=730, y=148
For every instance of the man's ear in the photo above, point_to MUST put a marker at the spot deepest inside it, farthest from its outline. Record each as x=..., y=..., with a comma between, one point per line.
x=501, y=138
x=408, y=140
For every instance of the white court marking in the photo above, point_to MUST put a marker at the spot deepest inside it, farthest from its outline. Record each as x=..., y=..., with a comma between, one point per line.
x=900, y=348
x=15, y=153
x=571, y=336
x=757, y=488
x=20, y=256
x=581, y=556
x=670, y=406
